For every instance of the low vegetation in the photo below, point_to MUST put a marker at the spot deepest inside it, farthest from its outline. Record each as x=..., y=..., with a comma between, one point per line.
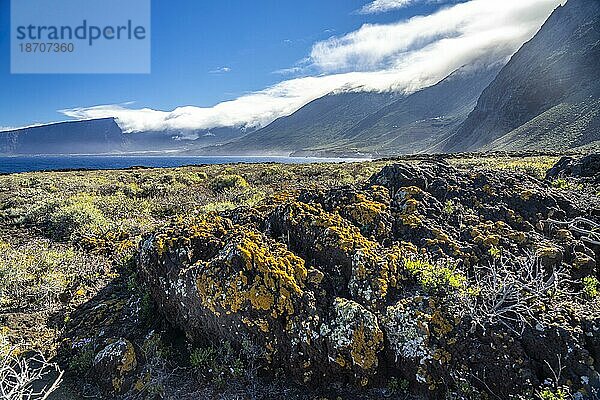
x=397, y=274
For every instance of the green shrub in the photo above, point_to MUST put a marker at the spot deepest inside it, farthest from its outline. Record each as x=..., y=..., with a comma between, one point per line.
x=449, y=207
x=202, y=176
x=397, y=386
x=190, y=178
x=36, y=275
x=218, y=206
x=229, y=181
x=203, y=357
x=591, y=286
x=220, y=363
x=495, y=252
x=155, y=347
x=549, y=394
x=435, y=278
x=132, y=190
x=77, y=215
x=560, y=183
x=83, y=360
x=147, y=310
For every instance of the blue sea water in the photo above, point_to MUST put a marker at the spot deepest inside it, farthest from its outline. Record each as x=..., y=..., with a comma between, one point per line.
x=12, y=164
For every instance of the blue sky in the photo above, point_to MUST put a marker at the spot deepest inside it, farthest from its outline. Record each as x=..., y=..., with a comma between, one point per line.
x=193, y=41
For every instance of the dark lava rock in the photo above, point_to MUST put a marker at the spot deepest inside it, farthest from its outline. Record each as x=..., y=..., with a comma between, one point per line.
x=114, y=364
x=585, y=167
x=440, y=276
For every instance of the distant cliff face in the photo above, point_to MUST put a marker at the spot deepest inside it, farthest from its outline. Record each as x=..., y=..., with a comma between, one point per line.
x=546, y=98
x=101, y=136
x=78, y=137
x=547, y=95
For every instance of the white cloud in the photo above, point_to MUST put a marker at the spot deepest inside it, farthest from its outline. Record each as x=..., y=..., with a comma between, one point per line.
x=255, y=109
x=404, y=56
x=381, y=6
x=221, y=70
x=506, y=23
x=288, y=71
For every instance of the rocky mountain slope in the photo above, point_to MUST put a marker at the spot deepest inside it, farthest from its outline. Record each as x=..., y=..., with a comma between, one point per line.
x=320, y=122
x=548, y=95
x=373, y=123
x=419, y=121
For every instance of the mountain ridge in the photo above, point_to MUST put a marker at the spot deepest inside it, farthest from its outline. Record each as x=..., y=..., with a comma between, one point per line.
x=319, y=122
x=546, y=97
x=104, y=136
x=556, y=69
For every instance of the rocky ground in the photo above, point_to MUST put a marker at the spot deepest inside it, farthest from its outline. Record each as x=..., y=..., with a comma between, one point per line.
x=463, y=277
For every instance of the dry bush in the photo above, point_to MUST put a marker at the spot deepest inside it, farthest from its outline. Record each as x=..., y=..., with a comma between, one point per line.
x=28, y=378
x=511, y=293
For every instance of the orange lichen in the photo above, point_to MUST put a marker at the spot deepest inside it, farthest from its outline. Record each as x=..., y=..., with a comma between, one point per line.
x=259, y=274
x=364, y=350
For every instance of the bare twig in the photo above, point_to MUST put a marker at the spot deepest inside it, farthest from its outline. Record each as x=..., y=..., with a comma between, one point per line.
x=588, y=230
x=20, y=377
x=509, y=293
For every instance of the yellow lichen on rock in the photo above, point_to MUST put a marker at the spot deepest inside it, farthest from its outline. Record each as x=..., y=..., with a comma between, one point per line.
x=366, y=213
x=365, y=348
x=251, y=271
x=183, y=230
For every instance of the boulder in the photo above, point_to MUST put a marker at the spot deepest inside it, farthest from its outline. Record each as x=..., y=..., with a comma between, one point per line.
x=584, y=167
x=114, y=364
x=401, y=277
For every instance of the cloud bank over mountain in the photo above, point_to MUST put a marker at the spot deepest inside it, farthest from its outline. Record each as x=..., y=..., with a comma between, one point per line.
x=403, y=56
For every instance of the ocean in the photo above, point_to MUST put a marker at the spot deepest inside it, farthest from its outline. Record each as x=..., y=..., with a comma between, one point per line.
x=13, y=164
